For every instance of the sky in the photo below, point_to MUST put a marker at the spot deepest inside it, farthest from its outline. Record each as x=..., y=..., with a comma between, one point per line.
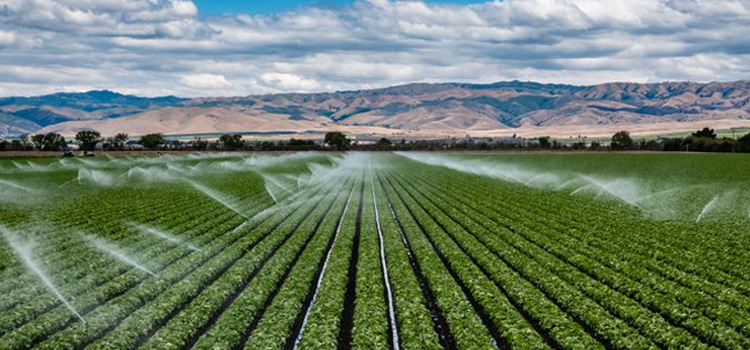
x=214, y=7
x=237, y=48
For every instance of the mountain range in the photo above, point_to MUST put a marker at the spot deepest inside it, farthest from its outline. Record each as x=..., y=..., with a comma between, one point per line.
x=414, y=110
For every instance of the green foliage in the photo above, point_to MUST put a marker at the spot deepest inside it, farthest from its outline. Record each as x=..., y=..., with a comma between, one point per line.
x=201, y=144
x=152, y=141
x=232, y=142
x=470, y=259
x=88, y=139
x=705, y=133
x=621, y=140
x=384, y=143
x=120, y=139
x=337, y=140
x=544, y=142
x=49, y=142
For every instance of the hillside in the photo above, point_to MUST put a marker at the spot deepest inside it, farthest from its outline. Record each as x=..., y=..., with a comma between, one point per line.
x=450, y=109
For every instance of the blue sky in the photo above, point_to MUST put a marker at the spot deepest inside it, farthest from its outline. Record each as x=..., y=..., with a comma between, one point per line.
x=212, y=7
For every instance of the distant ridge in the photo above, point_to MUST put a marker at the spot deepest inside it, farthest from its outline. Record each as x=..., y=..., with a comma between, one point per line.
x=418, y=109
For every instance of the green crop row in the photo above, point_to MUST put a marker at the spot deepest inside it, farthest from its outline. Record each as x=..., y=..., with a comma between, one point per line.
x=467, y=330
x=277, y=321
x=283, y=242
x=371, y=316
x=662, y=296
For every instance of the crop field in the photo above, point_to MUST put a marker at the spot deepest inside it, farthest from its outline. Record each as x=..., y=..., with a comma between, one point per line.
x=376, y=251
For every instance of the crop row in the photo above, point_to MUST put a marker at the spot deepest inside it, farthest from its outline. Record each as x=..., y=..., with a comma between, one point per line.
x=321, y=322
x=71, y=253
x=242, y=284
x=657, y=294
x=631, y=278
x=607, y=298
x=276, y=322
x=374, y=317
x=148, y=289
x=466, y=330
x=202, y=232
x=108, y=268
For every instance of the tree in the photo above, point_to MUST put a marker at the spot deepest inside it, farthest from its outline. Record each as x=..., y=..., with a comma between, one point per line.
x=705, y=133
x=49, y=142
x=384, y=143
x=200, y=144
x=621, y=141
x=232, y=142
x=544, y=142
x=121, y=139
x=88, y=139
x=152, y=141
x=337, y=140
x=300, y=145
x=744, y=143
x=38, y=141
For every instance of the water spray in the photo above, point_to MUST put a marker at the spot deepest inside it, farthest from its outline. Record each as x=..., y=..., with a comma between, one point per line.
x=25, y=251
x=15, y=186
x=116, y=252
x=217, y=197
x=163, y=235
x=708, y=208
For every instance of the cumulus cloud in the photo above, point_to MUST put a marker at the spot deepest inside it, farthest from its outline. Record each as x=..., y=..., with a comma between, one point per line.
x=288, y=82
x=205, y=81
x=155, y=47
x=7, y=38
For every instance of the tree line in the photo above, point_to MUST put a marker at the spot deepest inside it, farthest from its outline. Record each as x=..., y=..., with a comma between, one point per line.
x=91, y=140
x=86, y=140
x=704, y=140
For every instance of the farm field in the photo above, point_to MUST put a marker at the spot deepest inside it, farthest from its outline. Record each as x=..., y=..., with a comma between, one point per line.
x=376, y=251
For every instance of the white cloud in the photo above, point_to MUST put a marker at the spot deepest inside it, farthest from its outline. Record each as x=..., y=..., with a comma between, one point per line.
x=7, y=38
x=151, y=47
x=288, y=82
x=205, y=81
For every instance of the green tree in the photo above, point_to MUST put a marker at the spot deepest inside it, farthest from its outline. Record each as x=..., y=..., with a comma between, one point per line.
x=49, y=142
x=743, y=143
x=88, y=139
x=705, y=133
x=38, y=141
x=384, y=143
x=337, y=140
x=232, y=142
x=622, y=141
x=200, y=144
x=299, y=145
x=55, y=142
x=152, y=141
x=544, y=142
x=121, y=139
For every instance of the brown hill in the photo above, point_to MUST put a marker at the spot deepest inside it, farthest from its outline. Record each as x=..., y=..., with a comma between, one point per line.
x=430, y=109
